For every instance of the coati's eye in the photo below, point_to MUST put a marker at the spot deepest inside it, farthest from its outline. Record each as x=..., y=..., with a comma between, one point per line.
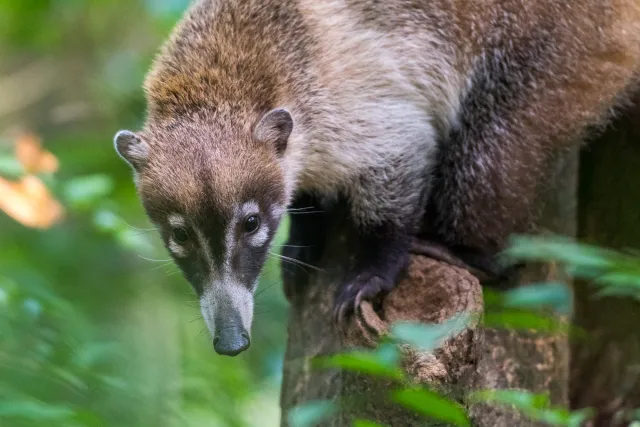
x=251, y=223
x=181, y=235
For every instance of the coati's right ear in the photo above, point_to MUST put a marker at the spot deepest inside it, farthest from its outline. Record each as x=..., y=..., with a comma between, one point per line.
x=131, y=148
x=275, y=128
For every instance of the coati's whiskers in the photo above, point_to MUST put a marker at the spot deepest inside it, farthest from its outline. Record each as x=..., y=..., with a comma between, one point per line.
x=263, y=290
x=196, y=319
x=295, y=261
x=305, y=212
x=201, y=332
x=290, y=246
x=136, y=228
x=154, y=260
x=158, y=267
x=301, y=209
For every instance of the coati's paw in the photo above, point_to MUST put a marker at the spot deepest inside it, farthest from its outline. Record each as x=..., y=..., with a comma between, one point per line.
x=364, y=287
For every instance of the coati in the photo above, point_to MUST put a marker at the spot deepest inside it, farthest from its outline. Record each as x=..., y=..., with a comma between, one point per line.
x=447, y=110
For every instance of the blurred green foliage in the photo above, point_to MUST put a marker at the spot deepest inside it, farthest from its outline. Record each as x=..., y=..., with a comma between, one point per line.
x=93, y=330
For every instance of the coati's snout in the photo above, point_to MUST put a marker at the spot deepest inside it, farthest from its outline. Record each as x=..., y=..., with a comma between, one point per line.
x=217, y=197
x=228, y=312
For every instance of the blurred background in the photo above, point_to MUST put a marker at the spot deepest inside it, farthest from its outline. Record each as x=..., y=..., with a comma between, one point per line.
x=97, y=327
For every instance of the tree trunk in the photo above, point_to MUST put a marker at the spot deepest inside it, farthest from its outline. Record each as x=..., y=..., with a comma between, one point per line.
x=478, y=358
x=605, y=371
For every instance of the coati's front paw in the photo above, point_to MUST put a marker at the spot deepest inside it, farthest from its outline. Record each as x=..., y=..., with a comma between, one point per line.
x=364, y=287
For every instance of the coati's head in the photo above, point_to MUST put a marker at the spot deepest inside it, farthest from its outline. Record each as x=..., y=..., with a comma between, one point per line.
x=215, y=191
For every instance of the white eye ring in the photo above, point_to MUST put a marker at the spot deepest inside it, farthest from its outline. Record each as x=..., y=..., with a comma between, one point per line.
x=176, y=249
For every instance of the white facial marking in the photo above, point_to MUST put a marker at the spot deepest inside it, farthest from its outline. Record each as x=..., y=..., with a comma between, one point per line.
x=176, y=249
x=277, y=210
x=260, y=237
x=176, y=221
x=230, y=241
x=250, y=207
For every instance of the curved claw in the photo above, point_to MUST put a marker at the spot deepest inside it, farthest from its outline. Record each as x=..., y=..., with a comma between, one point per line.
x=362, y=288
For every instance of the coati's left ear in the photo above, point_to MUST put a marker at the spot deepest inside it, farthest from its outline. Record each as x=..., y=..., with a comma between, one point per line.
x=275, y=128
x=131, y=148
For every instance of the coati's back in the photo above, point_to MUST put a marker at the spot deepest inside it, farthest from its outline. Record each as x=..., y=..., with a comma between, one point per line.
x=254, y=52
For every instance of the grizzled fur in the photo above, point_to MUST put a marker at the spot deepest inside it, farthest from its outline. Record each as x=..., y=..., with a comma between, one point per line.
x=455, y=107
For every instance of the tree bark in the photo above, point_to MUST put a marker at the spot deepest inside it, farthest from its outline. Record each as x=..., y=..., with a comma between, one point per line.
x=605, y=371
x=478, y=358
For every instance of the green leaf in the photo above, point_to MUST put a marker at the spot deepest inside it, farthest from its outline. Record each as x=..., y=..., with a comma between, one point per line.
x=364, y=362
x=69, y=378
x=555, y=295
x=425, y=337
x=621, y=278
x=518, y=398
x=617, y=291
x=431, y=404
x=33, y=410
x=544, y=248
x=93, y=353
x=85, y=191
x=106, y=220
x=309, y=414
x=387, y=354
x=579, y=418
x=366, y=423
x=524, y=320
x=10, y=167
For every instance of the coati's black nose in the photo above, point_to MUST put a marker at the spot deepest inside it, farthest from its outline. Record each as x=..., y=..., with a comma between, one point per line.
x=231, y=341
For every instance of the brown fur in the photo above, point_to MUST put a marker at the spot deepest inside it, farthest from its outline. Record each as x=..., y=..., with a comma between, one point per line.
x=453, y=107
x=559, y=68
x=229, y=62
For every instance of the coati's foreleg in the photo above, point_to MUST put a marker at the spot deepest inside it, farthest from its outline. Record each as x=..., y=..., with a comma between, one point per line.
x=305, y=243
x=383, y=255
x=386, y=206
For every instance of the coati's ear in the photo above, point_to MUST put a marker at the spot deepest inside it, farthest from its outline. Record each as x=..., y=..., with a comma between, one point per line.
x=131, y=148
x=275, y=128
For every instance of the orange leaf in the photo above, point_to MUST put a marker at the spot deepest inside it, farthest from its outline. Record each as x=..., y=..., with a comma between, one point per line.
x=29, y=202
x=33, y=157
